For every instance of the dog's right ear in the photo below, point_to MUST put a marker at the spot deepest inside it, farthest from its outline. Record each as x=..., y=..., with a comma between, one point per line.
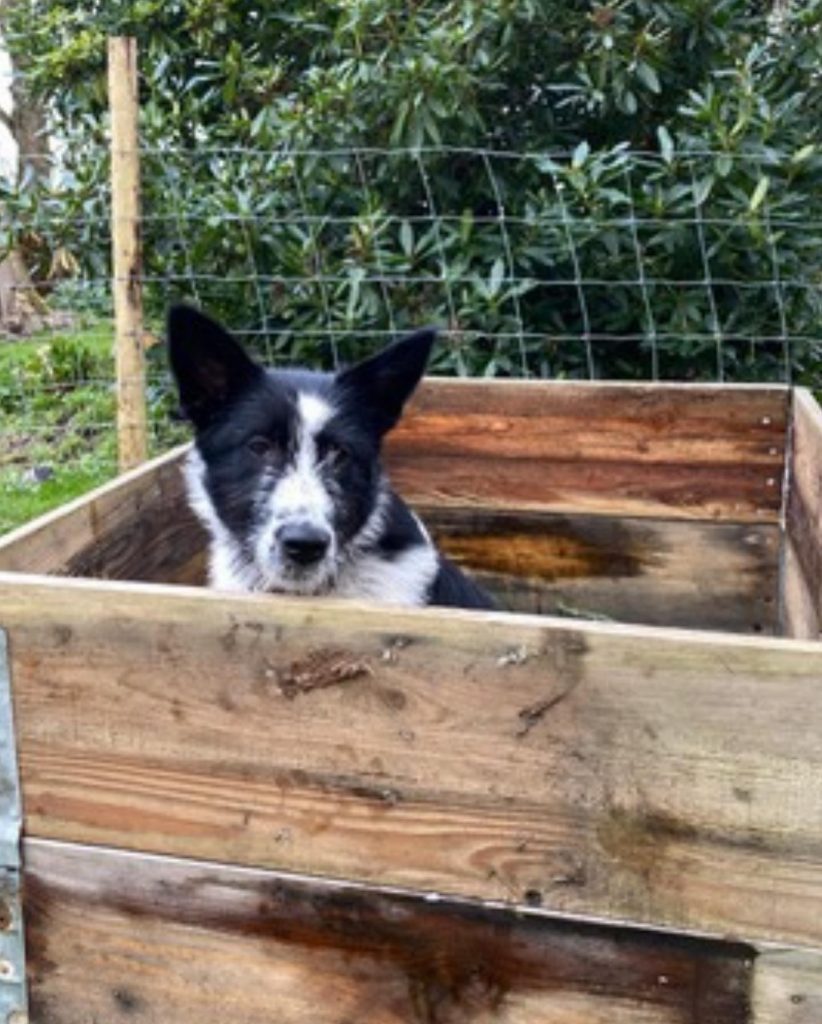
x=380, y=386
x=210, y=367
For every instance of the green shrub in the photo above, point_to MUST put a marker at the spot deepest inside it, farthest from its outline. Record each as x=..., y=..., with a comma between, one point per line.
x=321, y=174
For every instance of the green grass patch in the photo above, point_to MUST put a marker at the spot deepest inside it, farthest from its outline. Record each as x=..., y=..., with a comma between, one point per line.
x=22, y=502
x=96, y=338
x=57, y=419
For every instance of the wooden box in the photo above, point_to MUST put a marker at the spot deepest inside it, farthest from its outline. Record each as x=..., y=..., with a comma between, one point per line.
x=261, y=809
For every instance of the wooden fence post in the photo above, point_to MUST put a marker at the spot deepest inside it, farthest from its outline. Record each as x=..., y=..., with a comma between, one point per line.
x=126, y=252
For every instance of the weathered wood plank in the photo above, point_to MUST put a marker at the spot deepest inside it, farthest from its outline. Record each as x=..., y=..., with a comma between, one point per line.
x=623, y=450
x=667, y=451
x=694, y=575
x=802, y=571
x=787, y=987
x=656, y=775
x=697, y=575
x=116, y=937
x=718, y=576
x=136, y=527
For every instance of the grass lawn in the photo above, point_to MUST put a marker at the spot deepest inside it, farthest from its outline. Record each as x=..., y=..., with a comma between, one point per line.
x=57, y=415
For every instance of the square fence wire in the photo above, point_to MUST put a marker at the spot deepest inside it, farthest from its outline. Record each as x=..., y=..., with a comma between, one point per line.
x=586, y=264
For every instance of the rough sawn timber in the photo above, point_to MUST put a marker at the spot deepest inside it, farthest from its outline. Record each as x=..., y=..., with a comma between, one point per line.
x=660, y=776
x=667, y=451
x=692, y=575
x=640, y=504
x=119, y=938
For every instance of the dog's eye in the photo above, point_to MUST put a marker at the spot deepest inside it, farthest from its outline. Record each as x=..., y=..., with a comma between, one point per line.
x=261, y=446
x=331, y=451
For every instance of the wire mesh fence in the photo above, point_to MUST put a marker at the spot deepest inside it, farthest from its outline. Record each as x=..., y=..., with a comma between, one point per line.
x=615, y=264
x=656, y=265
x=611, y=264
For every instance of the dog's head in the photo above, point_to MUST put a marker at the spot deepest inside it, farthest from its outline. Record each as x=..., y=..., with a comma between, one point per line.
x=287, y=468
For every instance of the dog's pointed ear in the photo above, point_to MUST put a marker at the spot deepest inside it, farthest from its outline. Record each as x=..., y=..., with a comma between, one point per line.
x=382, y=384
x=209, y=366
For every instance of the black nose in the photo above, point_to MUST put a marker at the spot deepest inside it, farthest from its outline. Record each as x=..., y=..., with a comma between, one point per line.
x=303, y=543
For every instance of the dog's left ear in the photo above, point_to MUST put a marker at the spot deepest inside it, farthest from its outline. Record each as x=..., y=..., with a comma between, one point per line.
x=382, y=384
x=210, y=367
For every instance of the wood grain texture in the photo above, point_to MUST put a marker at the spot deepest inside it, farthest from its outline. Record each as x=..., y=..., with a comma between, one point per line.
x=668, y=573
x=660, y=776
x=674, y=452
x=668, y=451
x=124, y=110
x=802, y=570
x=787, y=987
x=136, y=527
x=113, y=937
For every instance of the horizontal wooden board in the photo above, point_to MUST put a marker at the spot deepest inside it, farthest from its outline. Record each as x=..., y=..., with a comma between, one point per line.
x=661, y=776
x=718, y=576
x=802, y=575
x=668, y=573
x=667, y=451
x=136, y=527
x=115, y=937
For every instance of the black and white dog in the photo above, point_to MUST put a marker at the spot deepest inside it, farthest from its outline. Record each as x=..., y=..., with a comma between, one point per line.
x=285, y=472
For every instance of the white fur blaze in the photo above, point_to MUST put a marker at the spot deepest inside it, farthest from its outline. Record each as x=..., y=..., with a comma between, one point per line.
x=301, y=492
x=314, y=412
x=300, y=495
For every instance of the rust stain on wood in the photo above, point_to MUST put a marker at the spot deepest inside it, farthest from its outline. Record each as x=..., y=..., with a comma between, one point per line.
x=532, y=553
x=697, y=575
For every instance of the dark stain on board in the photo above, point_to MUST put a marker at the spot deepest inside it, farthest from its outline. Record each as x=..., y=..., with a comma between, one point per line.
x=541, y=547
x=460, y=961
x=127, y=1001
x=573, y=565
x=640, y=839
x=532, y=715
